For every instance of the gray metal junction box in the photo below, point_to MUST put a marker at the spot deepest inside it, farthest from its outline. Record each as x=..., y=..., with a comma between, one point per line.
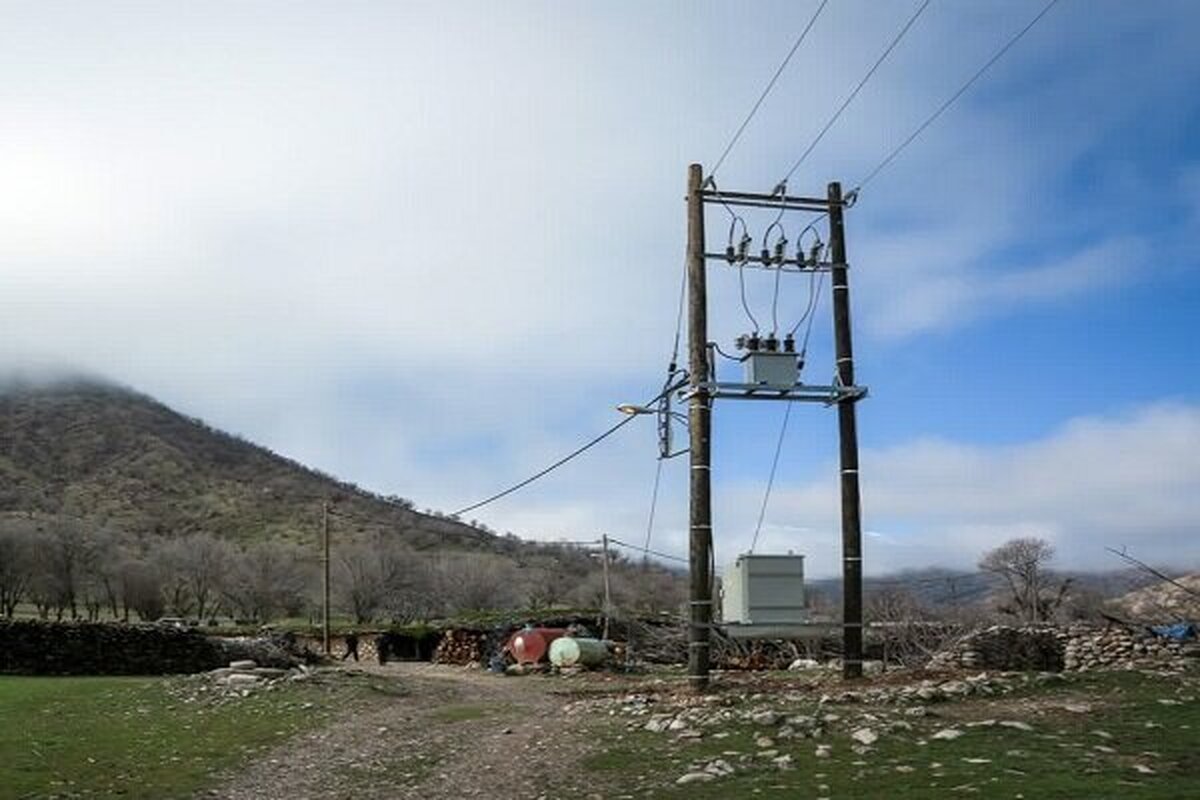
x=763, y=589
x=772, y=369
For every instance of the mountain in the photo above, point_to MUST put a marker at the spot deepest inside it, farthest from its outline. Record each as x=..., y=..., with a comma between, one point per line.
x=120, y=459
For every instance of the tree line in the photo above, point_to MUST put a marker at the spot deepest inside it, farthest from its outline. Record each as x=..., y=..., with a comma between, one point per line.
x=66, y=568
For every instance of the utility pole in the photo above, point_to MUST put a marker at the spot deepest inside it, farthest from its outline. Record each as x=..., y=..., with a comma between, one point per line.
x=852, y=611
x=607, y=590
x=325, y=577
x=700, y=424
x=705, y=387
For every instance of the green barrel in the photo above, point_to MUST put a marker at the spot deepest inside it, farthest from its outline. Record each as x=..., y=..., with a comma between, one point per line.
x=569, y=651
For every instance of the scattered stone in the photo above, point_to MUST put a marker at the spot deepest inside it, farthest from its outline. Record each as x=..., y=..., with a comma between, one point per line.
x=696, y=777
x=947, y=734
x=767, y=718
x=865, y=736
x=824, y=751
x=1016, y=725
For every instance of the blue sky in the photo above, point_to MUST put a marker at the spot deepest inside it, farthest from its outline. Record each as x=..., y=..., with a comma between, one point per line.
x=429, y=246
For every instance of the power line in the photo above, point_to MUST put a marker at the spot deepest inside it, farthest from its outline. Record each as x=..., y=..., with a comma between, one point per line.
x=850, y=98
x=646, y=550
x=770, y=85
x=961, y=91
x=762, y=512
x=653, y=501
x=574, y=453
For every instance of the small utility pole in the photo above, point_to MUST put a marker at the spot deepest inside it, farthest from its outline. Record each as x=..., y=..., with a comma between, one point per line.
x=607, y=590
x=852, y=611
x=325, y=577
x=700, y=423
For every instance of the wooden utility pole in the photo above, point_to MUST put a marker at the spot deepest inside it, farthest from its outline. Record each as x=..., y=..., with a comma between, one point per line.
x=607, y=590
x=325, y=577
x=700, y=424
x=852, y=606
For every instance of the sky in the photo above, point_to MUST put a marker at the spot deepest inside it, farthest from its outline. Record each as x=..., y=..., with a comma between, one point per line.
x=429, y=247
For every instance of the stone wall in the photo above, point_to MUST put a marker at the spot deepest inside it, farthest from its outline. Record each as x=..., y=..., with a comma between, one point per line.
x=34, y=647
x=1049, y=648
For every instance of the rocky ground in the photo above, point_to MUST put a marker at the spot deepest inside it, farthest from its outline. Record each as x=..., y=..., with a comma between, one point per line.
x=452, y=732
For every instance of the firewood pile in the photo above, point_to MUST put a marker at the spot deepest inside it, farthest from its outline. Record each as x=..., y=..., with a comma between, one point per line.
x=461, y=646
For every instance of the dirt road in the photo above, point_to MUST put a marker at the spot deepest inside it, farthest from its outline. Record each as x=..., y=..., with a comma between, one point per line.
x=447, y=732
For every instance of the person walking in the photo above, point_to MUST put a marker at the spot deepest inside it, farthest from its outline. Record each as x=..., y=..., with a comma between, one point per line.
x=351, y=647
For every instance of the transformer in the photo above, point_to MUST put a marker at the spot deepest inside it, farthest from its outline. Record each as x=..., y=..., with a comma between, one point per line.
x=764, y=590
x=773, y=370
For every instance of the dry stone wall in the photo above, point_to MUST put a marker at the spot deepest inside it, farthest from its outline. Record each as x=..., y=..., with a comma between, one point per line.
x=34, y=647
x=1049, y=648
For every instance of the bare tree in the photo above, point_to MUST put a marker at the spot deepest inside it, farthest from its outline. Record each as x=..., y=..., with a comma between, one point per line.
x=141, y=589
x=368, y=573
x=16, y=564
x=1032, y=594
x=65, y=556
x=268, y=578
x=194, y=570
x=477, y=581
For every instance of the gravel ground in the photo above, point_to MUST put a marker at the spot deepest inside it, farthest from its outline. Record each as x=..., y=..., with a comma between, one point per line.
x=453, y=733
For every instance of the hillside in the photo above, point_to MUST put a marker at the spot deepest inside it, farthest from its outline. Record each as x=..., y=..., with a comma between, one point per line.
x=1164, y=602
x=120, y=459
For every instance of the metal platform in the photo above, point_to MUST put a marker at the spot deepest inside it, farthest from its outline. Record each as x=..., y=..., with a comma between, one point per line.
x=800, y=393
x=815, y=629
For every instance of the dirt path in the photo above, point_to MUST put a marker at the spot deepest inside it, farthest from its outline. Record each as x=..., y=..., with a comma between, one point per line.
x=452, y=733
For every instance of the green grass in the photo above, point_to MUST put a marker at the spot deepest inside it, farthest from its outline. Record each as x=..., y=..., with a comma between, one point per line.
x=136, y=737
x=462, y=713
x=1058, y=759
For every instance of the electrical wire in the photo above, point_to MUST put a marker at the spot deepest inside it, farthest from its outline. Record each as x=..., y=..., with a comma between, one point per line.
x=573, y=454
x=762, y=511
x=770, y=85
x=646, y=550
x=742, y=286
x=521, y=485
x=653, y=501
x=850, y=98
x=954, y=97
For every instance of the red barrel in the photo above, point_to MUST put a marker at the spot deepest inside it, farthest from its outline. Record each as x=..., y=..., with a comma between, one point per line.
x=529, y=645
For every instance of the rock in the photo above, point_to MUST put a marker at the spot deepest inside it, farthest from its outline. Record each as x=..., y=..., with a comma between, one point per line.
x=766, y=718
x=763, y=742
x=824, y=751
x=804, y=664
x=865, y=736
x=947, y=734
x=783, y=762
x=719, y=767
x=696, y=777
x=677, y=725
x=1015, y=725
x=657, y=724
x=244, y=664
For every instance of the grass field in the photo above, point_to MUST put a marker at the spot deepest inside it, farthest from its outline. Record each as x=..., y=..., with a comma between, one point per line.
x=1138, y=738
x=138, y=737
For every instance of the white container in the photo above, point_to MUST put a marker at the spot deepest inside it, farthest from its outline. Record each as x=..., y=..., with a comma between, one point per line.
x=773, y=370
x=763, y=590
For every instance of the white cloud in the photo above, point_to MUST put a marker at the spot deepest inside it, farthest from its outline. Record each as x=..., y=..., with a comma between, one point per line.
x=425, y=246
x=1096, y=482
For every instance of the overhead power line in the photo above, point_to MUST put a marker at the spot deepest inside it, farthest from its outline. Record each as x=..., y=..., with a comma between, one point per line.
x=850, y=98
x=770, y=85
x=646, y=550
x=954, y=97
x=762, y=511
x=568, y=457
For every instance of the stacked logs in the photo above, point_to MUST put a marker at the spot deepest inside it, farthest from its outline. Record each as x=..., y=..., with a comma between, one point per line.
x=460, y=646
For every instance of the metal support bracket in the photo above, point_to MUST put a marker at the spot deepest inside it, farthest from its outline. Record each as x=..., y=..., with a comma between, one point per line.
x=800, y=393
